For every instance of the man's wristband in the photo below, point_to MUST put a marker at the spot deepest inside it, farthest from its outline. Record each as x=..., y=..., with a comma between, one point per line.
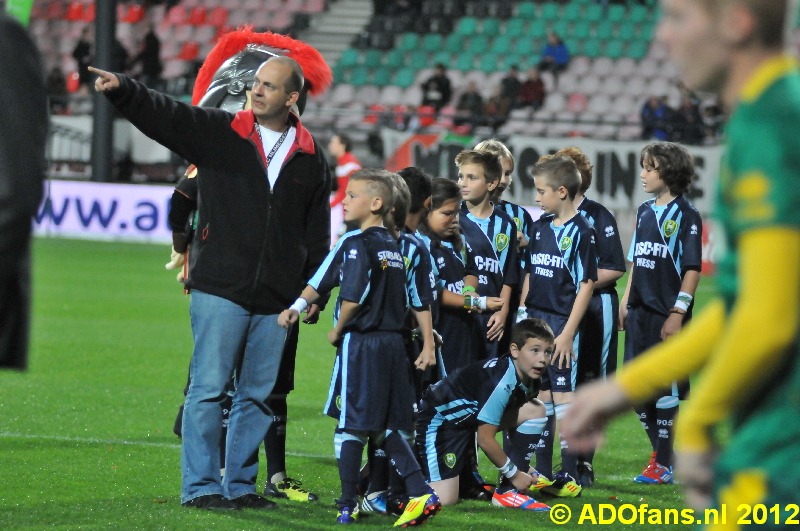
x=299, y=305
x=508, y=469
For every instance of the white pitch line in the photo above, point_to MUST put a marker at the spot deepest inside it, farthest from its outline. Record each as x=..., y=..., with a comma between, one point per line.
x=156, y=444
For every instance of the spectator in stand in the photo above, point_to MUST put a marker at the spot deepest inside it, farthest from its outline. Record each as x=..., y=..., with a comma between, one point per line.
x=119, y=57
x=496, y=110
x=437, y=91
x=510, y=87
x=83, y=54
x=714, y=120
x=687, y=125
x=150, y=60
x=56, y=86
x=340, y=147
x=555, y=56
x=469, y=110
x=532, y=92
x=655, y=119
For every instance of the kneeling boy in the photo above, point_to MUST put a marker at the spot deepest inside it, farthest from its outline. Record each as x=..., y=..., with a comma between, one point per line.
x=487, y=397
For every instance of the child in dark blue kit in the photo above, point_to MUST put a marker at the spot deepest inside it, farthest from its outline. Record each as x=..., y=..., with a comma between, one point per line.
x=377, y=394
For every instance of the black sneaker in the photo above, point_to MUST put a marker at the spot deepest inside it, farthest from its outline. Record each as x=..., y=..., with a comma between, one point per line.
x=212, y=502
x=254, y=501
x=396, y=506
x=585, y=474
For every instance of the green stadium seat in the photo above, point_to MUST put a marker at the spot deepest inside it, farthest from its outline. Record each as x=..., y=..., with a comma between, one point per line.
x=591, y=48
x=349, y=57
x=515, y=28
x=626, y=32
x=510, y=60
x=372, y=58
x=489, y=63
x=638, y=14
x=616, y=13
x=560, y=27
x=454, y=43
x=538, y=28
x=404, y=77
x=490, y=26
x=526, y=10
x=593, y=13
x=341, y=73
x=604, y=30
x=525, y=47
x=418, y=59
x=408, y=41
x=573, y=11
x=638, y=49
x=478, y=44
x=614, y=49
x=432, y=42
x=501, y=45
x=358, y=76
x=382, y=76
x=442, y=56
x=581, y=30
x=465, y=62
x=550, y=11
x=467, y=26
x=394, y=58
x=646, y=32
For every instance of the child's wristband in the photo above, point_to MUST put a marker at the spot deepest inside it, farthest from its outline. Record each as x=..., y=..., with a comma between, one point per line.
x=299, y=305
x=508, y=469
x=683, y=301
x=467, y=289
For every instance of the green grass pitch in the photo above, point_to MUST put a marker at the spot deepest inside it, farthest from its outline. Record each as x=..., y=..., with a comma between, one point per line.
x=86, y=436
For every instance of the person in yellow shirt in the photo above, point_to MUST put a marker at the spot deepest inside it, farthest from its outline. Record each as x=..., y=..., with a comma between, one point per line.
x=745, y=342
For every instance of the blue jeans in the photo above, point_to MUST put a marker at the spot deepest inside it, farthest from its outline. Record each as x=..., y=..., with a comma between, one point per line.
x=227, y=339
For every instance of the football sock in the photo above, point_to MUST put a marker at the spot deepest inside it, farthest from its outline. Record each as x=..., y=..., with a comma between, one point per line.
x=351, y=450
x=523, y=442
x=378, y=467
x=544, y=450
x=569, y=462
x=275, y=440
x=666, y=409
x=402, y=459
x=647, y=416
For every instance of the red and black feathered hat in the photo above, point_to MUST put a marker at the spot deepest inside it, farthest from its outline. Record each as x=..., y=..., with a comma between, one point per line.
x=228, y=71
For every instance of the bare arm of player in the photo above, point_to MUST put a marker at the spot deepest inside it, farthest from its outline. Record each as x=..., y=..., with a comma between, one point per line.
x=754, y=345
x=674, y=322
x=289, y=316
x=606, y=277
x=623, y=304
x=640, y=380
x=347, y=311
x=563, y=353
x=427, y=355
x=497, y=321
x=487, y=440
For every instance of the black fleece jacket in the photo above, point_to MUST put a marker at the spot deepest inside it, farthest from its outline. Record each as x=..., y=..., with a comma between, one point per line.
x=254, y=246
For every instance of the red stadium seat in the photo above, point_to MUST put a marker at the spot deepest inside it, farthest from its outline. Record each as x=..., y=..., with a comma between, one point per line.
x=134, y=14
x=74, y=12
x=218, y=16
x=73, y=82
x=373, y=113
x=88, y=13
x=54, y=10
x=176, y=15
x=426, y=115
x=197, y=16
x=189, y=51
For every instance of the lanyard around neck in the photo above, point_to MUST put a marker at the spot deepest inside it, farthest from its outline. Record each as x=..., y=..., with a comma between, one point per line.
x=277, y=145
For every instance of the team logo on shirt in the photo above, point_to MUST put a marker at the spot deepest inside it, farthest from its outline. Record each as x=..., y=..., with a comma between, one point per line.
x=609, y=231
x=693, y=230
x=566, y=243
x=670, y=227
x=518, y=223
x=407, y=262
x=450, y=460
x=501, y=242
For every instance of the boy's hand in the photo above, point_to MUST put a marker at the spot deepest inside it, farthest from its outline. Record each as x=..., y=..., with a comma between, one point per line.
x=522, y=240
x=106, y=81
x=563, y=354
x=427, y=358
x=496, y=324
x=288, y=317
x=334, y=337
x=522, y=480
x=312, y=314
x=623, y=315
x=672, y=325
x=494, y=304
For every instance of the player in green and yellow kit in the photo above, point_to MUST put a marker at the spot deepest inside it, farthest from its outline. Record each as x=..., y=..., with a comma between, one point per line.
x=746, y=340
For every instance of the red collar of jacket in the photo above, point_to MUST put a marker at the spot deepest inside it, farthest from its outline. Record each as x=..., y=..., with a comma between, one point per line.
x=244, y=123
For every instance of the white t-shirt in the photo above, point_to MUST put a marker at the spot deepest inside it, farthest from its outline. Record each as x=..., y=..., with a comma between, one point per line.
x=269, y=138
